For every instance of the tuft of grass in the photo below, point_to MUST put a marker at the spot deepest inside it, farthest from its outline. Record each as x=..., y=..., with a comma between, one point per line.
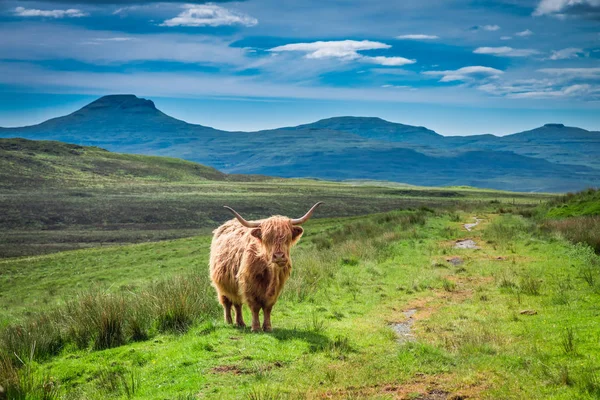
x=530, y=285
x=448, y=285
x=263, y=394
x=42, y=332
x=118, y=381
x=19, y=382
x=568, y=341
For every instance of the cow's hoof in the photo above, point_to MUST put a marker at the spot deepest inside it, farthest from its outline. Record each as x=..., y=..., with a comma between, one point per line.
x=256, y=329
x=267, y=329
x=240, y=324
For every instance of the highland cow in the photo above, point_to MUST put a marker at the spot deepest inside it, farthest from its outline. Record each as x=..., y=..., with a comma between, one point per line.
x=250, y=263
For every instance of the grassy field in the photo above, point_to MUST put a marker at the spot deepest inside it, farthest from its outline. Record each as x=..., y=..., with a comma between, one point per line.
x=516, y=318
x=56, y=196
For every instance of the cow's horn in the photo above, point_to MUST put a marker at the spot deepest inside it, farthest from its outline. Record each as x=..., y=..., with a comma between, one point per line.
x=306, y=216
x=247, y=224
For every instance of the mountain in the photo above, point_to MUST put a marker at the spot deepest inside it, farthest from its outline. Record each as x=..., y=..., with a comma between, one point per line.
x=375, y=128
x=550, y=158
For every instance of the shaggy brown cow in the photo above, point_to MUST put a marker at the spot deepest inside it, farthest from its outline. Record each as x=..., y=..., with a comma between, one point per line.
x=250, y=262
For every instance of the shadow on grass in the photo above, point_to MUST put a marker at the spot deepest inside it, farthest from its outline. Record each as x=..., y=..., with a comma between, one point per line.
x=317, y=341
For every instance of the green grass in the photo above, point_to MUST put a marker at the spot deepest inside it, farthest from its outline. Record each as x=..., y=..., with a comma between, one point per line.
x=332, y=335
x=586, y=202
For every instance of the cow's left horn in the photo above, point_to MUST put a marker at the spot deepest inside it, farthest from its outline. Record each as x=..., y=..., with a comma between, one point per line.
x=306, y=216
x=247, y=224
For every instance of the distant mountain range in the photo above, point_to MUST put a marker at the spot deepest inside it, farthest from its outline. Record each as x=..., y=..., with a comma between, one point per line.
x=552, y=158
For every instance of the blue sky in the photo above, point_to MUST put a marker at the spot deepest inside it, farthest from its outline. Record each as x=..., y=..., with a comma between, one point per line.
x=456, y=66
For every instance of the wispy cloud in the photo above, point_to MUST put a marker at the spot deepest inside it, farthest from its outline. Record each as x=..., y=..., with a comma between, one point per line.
x=541, y=89
x=505, y=37
x=209, y=15
x=572, y=83
x=524, y=33
x=114, y=39
x=506, y=51
x=562, y=8
x=43, y=41
x=572, y=73
x=564, y=54
x=489, y=28
x=418, y=36
x=345, y=50
x=465, y=73
x=30, y=12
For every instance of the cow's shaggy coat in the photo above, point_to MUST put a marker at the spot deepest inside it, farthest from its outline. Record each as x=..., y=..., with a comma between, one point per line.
x=250, y=263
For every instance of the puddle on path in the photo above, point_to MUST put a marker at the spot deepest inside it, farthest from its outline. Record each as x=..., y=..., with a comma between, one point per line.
x=466, y=244
x=404, y=329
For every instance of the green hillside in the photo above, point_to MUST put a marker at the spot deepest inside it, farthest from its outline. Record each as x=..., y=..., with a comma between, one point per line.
x=57, y=196
x=55, y=164
x=579, y=204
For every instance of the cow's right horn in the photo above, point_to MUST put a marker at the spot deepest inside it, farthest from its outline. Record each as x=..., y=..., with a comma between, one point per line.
x=306, y=216
x=247, y=224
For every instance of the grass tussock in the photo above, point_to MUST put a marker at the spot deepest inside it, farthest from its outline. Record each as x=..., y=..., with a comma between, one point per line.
x=578, y=229
x=104, y=320
x=18, y=382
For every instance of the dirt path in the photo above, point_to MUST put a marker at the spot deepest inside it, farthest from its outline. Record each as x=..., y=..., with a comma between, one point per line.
x=470, y=227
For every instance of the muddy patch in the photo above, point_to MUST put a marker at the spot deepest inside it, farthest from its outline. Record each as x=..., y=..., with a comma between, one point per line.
x=435, y=395
x=456, y=261
x=466, y=244
x=228, y=369
x=404, y=329
x=470, y=227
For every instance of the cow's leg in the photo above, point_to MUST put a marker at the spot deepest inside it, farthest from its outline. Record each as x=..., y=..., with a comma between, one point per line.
x=267, y=318
x=239, y=317
x=255, y=308
x=227, y=307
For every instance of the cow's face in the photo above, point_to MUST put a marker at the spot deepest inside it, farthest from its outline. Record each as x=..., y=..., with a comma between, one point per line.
x=277, y=235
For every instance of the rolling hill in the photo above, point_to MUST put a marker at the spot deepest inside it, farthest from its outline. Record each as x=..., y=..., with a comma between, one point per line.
x=552, y=158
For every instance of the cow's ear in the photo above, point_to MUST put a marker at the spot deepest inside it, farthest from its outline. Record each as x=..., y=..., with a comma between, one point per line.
x=297, y=231
x=256, y=232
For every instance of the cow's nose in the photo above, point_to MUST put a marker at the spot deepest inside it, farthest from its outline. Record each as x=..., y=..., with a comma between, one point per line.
x=278, y=256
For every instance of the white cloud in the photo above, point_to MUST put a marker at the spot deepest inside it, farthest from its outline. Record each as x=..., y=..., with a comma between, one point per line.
x=490, y=28
x=564, y=54
x=524, y=33
x=345, y=50
x=71, y=13
x=209, y=15
x=505, y=51
x=465, y=73
x=417, y=37
x=388, y=61
x=559, y=7
x=505, y=37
